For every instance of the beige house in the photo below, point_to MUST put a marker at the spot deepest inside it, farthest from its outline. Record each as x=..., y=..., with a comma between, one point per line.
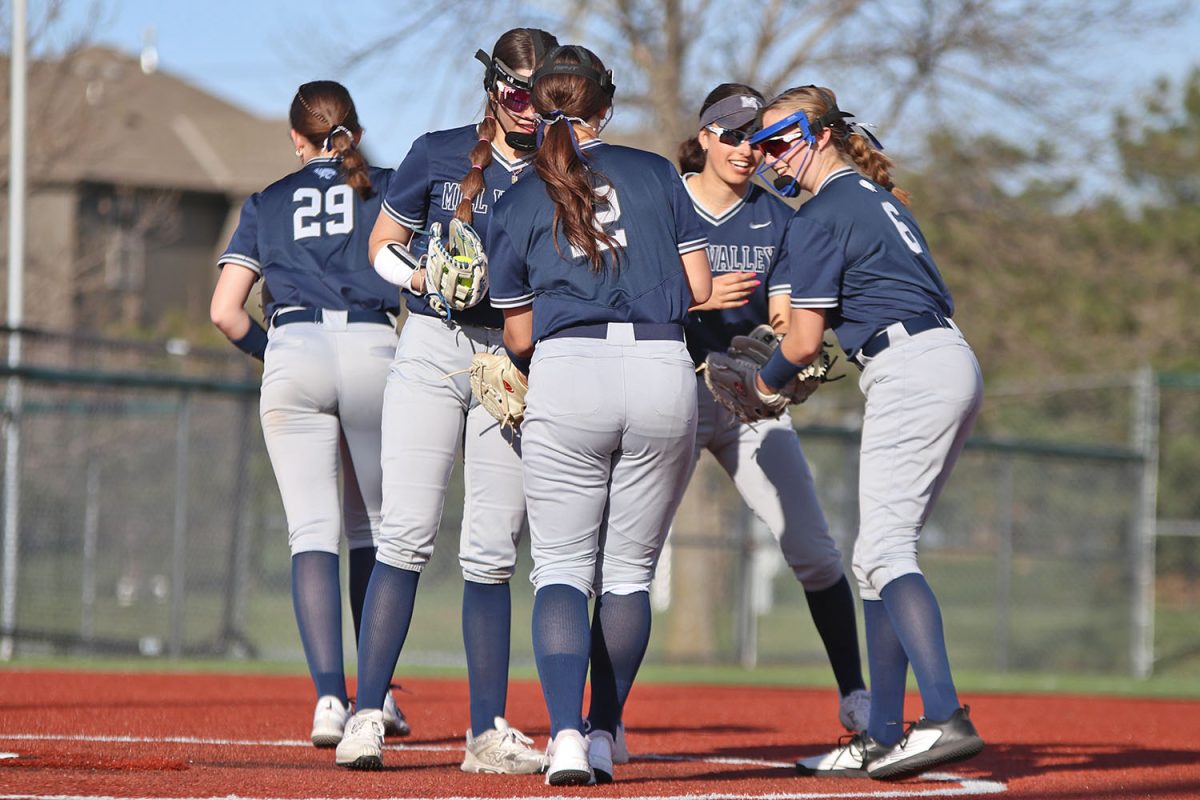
x=135, y=182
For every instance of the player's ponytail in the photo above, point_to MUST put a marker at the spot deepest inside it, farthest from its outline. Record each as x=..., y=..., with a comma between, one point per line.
x=874, y=164
x=561, y=99
x=324, y=114
x=518, y=48
x=857, y=147
x=692, y=156
x=473, y=183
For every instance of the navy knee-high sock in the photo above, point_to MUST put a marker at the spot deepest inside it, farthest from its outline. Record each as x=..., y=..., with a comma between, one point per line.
x=362, y=562
x=486, y=625
x=560, y=647
x=832, y=612
x=317, y=601
x=889, y=673
x=387, y=612
x=620, y=635
x=917, y=620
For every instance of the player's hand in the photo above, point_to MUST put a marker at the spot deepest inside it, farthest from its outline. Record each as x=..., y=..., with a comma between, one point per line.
x=418, y=282
x=730, y=290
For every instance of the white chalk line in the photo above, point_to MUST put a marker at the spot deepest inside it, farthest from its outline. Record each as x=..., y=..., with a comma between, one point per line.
x=961, y=787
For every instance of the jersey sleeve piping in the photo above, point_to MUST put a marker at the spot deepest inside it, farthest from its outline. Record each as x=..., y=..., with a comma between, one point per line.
x=511, y=302
x=814, y=302
x=242, y=261
x=408, y=222
x=694, y=244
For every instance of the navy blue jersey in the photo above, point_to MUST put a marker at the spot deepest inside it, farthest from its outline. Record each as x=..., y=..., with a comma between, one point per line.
x=647, y=210
x=857, y=251
x=746, y=237
x=307, y=235
x=427, y=189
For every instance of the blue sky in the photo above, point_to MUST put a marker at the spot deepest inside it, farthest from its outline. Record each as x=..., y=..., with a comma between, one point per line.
x=255, y=53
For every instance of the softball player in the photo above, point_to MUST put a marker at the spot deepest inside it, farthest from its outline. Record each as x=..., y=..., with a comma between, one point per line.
x=861, y=265
x=745, y=226
x=429, y=413
x=332, y=332
x=595, y=259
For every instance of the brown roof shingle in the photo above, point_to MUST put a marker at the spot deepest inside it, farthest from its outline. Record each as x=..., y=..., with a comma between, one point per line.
x=96, y=116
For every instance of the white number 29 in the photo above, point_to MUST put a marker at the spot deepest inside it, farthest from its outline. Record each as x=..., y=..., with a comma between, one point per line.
x=339, y=204
x=906, y=233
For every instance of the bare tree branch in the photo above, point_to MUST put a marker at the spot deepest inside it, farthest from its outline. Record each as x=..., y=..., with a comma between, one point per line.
x=899, y=55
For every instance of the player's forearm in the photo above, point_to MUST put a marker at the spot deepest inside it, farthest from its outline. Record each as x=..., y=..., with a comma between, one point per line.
x=800, y=349
x=518, y=331
x=805, y=335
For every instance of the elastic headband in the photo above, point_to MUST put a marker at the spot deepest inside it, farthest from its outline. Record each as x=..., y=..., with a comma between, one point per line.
x=811, y=129
x=498, y=70
x=735, y=111
x=584, y=69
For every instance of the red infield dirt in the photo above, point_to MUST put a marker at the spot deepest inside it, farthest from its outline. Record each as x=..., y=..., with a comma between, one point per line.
x=221, y=736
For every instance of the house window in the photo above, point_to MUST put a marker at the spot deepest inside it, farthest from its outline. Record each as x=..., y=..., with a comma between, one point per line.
x=125, y=259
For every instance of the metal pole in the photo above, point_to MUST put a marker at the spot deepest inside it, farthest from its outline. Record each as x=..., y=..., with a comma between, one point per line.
x=179, y=541
x=745, y=619
x=1004, y=565
x=1145, y=440
x=18, y=62
x=91, y=535
x=233, y=620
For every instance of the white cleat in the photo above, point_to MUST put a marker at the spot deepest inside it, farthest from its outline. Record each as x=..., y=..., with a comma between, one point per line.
x=394, y=723
x=600, y=755
x=854, y=710
x=568, y=760
x=329, y=721
x=362, y=745
x=503, y=750
x=848, y=760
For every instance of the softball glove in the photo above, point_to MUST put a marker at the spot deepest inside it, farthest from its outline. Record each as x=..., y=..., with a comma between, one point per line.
x=730, y=376
x=499, y=386
x=455, y=270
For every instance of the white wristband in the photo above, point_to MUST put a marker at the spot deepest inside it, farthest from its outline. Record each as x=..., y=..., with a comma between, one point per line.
x=396, y=264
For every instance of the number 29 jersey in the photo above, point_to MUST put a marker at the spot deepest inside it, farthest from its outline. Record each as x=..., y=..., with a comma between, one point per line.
x=857, y=251
x=641, y=203
x=307, y=235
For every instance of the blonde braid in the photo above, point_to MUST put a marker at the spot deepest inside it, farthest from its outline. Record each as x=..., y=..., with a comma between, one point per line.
x=872, y=163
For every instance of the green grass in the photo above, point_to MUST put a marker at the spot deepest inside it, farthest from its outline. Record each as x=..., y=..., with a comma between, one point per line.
x=968, y=681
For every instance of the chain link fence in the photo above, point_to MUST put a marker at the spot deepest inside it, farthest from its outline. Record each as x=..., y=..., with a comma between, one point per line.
x=148, y=521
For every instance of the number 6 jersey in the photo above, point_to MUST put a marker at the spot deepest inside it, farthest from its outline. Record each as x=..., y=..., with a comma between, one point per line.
x=641, y=203
x=857, y=251
x=318, y=258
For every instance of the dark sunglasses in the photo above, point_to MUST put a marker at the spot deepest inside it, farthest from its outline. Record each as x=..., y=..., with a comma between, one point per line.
x=514, y=99
x=778, y=146
x=728, y=136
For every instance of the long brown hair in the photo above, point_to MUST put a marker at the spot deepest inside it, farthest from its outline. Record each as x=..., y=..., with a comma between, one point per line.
x=856, y=149
x=570, y=180
x=692, y=157
x=518, y=48
x=323, y=113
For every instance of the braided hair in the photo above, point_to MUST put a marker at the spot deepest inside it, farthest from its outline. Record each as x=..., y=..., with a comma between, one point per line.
x=519, y=48
x=323, y=113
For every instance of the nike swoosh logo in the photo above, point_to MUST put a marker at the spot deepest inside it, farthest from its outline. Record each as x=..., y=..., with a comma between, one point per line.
x=760, y=225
